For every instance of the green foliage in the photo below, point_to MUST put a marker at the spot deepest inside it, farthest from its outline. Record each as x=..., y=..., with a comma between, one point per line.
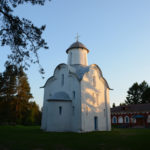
x=146, y=96
x=20, y=34
x=122, y=104
x=15, y=106
x=138, y=93
x=113, y=105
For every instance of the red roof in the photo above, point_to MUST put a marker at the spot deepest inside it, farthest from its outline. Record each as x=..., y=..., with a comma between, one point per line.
x=132, y=108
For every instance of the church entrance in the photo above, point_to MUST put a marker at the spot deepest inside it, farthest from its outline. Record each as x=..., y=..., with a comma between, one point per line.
x=96, y=123
x=140, y=121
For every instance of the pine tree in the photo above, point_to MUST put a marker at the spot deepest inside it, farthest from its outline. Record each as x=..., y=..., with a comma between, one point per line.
x=135, y=93
x=34, y=116
x=9, y=82
x=23, y=95
x=113, y=105
x=8, y=92
x=15, y=94
x=146, y=96
x=20, y=34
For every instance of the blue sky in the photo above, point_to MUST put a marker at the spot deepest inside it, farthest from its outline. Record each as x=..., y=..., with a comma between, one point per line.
x=117, y=33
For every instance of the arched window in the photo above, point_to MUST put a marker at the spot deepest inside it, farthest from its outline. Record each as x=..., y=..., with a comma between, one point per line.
x=60, y=110
x=97, y=98
x=95, y=122
x=82, y=59
x=114, y=119
x=87, y=109
x=94, y=81
x=126, y=119
x=104, y=112
x=73, y=110
x=93, y=98
x=120, y=119
x=73, y=94
x=62, y=80
x=70, y=58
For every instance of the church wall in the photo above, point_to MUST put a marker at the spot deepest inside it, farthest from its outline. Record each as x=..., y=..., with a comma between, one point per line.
x=55, y=120
x=74, y=85
x=77, y=56
x=93, y=101
x=71, y=84
x=108, y=113
x=44, y=113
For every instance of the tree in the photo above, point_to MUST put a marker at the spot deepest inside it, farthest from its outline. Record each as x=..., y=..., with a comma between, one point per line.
x=133, y=96
x=1, y=86
x=15, y=94
x=22, y=95
x=113, y=105
x=9, y=82
x=21, y=35
x=135, y=93
x=7, y=92
x=122, y=104
x=146, y=96
x=34, y=116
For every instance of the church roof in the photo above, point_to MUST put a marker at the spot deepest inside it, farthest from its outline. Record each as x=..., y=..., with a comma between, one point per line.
x=60, y=96
x=80, y=70
x=77, y=44
x=132, y=108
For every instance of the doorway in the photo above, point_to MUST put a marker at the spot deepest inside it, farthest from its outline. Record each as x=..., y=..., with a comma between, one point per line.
x=96, y=123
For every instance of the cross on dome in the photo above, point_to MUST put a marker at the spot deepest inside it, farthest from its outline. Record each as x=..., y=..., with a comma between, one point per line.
x=77, y=37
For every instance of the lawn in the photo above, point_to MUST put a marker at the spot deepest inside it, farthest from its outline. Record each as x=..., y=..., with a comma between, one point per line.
x=32, y=138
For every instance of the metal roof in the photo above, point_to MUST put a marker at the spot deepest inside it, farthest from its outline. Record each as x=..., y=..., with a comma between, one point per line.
x=132, y=108
x=77, y=44
x=80, y=70
x=138, y=116
x=60, y=96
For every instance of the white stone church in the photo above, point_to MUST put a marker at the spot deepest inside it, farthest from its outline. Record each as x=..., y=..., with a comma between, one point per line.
x=76, y=97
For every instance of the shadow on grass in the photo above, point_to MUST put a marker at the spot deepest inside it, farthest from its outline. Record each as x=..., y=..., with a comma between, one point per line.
x=32, y=138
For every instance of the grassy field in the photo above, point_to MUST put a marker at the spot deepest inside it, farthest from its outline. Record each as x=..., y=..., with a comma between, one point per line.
x=32, y=138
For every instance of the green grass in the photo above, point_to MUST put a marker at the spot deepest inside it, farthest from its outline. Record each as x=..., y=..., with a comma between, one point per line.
x=32, y=138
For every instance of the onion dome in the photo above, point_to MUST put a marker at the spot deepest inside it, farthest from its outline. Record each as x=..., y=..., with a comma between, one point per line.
x=75, y=45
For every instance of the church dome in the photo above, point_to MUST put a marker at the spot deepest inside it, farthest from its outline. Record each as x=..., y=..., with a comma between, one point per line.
x=77, y=44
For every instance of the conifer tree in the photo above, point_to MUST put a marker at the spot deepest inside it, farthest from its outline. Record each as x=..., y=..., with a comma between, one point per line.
x=23, y=95
x=146, y=96
x=20, y=34
x=15, y=95
x=136, y=93
x=8, y=92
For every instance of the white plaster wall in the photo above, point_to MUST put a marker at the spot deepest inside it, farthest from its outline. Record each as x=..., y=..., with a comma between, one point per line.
x=108, y=112
x=91, y=106
x=71, y=84
x=44, y=113
x=85, y=104
x=77, y=56
x=55, y=120
x=76, y=103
